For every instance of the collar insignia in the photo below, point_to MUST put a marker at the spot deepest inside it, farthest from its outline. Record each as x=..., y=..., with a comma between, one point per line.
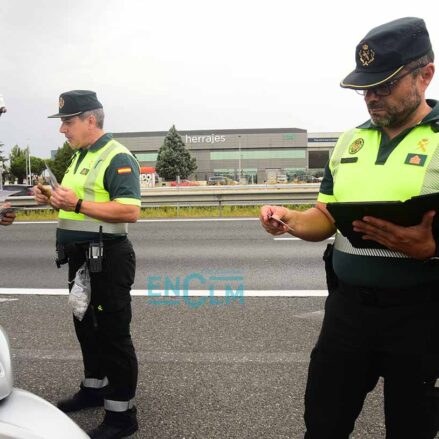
x=422, y=145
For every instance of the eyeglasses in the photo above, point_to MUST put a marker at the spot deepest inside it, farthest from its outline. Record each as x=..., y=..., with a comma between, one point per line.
x=386, y=89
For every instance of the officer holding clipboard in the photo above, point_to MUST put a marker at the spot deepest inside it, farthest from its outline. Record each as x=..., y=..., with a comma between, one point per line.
x=381, y=315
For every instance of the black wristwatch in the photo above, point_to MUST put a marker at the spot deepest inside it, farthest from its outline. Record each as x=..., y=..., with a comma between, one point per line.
x=78, y=206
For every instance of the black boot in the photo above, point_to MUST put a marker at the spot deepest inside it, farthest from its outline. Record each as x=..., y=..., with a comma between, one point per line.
x=116, y=425
x=83, y=399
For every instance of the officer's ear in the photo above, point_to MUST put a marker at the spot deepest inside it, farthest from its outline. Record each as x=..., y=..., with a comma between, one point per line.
x=91, y=121
x=426, y=74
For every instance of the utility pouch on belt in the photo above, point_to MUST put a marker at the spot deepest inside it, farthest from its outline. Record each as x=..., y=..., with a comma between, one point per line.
x=61, y=257
x=95, y=254
x=331, y=277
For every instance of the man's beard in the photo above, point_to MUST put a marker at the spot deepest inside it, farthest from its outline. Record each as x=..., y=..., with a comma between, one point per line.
x=395, y=115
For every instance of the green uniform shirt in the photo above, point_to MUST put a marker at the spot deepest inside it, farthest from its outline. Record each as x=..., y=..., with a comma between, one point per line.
x=118, y=185
x=377, y=271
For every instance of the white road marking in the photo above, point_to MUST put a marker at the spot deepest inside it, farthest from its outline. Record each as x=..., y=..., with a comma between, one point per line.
x=162, y=294
x=163, y=220
x=293, y=238
x=315, y=315
x=290, y=238
x=8, y=300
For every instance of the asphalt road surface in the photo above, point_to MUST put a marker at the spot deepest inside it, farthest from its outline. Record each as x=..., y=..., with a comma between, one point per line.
x=224, y=371
x=175, y=249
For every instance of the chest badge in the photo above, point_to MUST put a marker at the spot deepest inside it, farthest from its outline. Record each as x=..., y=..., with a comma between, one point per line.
x=356, y=145
x=85, y=171
x=416, y=159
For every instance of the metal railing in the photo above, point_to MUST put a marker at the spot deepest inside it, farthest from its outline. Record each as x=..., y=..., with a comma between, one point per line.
x=215, y=196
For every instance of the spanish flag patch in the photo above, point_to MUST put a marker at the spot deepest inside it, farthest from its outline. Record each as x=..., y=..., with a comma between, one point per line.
x=124, y=170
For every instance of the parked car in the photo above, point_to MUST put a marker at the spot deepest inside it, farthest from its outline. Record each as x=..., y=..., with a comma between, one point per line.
x=185, y=183
x=220, y=180
x=23, y=189
x=306, y=178
x=282, y=179
x=217, y=179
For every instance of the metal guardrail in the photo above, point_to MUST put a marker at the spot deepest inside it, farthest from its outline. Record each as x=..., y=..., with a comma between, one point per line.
x=215, y=196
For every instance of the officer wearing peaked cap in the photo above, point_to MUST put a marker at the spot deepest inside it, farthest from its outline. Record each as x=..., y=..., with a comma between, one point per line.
x=381, y=314
x=98, y=196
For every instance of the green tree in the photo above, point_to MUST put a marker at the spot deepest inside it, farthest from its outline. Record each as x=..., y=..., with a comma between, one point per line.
x=17, y=163
x=17, y=159
x=37, y=165
x=173, y=158
x=61, y=161
x=2, y=157
x=3, y=160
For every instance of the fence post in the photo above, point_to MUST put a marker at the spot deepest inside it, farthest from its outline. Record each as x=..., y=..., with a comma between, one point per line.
x=219, y=206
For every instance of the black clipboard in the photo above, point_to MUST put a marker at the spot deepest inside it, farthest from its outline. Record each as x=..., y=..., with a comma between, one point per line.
x=404, y=213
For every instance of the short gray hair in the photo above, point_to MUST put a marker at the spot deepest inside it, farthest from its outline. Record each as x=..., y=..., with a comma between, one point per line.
x=420, y=62
x=98, y=114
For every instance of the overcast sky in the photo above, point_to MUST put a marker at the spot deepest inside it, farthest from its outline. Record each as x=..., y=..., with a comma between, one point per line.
x=212, y=64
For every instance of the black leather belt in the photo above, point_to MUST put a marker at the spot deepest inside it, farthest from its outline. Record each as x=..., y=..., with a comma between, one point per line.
x=382, y=297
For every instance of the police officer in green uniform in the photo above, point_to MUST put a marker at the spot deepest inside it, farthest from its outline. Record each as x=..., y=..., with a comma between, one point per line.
x=383, y=305
x=98, y=197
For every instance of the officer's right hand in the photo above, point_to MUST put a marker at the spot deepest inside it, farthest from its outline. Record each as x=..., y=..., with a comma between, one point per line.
x=268, y=216
x=41, y=194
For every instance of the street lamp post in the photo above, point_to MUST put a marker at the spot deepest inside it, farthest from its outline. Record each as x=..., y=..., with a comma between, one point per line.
x=239, y=159
x=28, y=167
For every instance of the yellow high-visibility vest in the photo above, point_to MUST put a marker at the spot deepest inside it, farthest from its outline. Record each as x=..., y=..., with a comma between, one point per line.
x=88, y=184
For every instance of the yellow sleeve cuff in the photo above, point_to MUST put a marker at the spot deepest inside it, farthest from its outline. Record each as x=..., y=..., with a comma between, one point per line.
x=323, y=198
x=131, y=201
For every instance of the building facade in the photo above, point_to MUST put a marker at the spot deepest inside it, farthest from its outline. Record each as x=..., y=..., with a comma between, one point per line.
x=253, y=154
x=319, y=148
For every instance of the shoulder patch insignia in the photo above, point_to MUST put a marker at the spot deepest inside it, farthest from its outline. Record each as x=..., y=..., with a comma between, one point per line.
x=416, y=159
x=356, y=145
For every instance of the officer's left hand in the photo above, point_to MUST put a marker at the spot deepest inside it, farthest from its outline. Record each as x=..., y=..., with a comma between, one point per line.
x=415, y=241
x=63, y=198
x=7, y=218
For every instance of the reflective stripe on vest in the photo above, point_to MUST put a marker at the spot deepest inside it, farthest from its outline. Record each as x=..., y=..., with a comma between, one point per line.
x=93, y=226
x=342, y=244
x=88, y=184
x=118, y=406
x=92, y=176
x=94, y=383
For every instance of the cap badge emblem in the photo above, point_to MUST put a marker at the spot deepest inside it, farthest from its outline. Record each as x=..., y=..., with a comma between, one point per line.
x=367, y=56
x=61, y=103
x=356, y=145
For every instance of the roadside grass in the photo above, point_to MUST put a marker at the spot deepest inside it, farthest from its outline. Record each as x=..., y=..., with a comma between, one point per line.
x=167, y=212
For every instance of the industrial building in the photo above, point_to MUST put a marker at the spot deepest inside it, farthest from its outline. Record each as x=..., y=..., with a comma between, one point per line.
x=250, y=154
